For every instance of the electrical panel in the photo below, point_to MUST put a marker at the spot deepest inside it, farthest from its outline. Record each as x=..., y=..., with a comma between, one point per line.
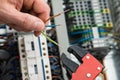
x=24, y=55
x=90, y=24
x=34, y=57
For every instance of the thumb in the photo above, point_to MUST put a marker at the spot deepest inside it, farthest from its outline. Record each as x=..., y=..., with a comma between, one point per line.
x=24, y=22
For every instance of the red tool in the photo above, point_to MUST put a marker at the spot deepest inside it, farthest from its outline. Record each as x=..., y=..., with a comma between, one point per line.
x=89, y=68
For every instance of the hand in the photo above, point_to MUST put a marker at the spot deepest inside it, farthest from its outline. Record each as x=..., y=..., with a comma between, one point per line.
x=12, y=13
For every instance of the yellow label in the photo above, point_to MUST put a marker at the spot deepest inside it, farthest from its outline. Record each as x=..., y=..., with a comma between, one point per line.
x=105, y=11
x=109, y=24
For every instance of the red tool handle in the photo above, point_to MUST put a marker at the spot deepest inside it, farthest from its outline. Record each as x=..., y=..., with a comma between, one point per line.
x=88, y=70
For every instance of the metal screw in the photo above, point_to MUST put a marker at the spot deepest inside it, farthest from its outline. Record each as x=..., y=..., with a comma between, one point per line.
x=89, y=75
x=25, y=73
x=87, y=57
x=26, y=78
x=98, y=68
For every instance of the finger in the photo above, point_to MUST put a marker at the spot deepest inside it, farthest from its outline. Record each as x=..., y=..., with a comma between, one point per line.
x=33, y=13
x=13, y=26
x=28, y=4
x=25, y=21
x=18, y=28
x=39, y=7
x=37, y=33
x=42, y=9
x=1, y=22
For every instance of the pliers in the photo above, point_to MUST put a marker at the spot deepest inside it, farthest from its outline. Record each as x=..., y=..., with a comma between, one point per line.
x=88, y=69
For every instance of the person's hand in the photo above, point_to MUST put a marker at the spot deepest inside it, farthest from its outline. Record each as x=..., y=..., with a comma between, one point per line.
x=12, y=13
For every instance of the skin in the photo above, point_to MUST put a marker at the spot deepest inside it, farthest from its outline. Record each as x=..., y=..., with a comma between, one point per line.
x=24, y=15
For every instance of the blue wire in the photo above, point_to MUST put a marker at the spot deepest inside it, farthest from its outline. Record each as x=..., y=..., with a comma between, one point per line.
x=52, y=26
x=102, y=30
x=82, y=40
x=3, y=26
x=80, y=32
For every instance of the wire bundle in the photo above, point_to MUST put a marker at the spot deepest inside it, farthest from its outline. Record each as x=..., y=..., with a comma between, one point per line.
x=54, y=56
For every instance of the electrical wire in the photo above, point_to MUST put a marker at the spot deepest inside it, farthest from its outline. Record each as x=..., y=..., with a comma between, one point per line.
x=52, y=26
x=80, y=32
x=48, y=38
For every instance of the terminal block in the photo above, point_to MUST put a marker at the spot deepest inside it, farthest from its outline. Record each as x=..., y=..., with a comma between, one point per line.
x=88, y=20
x=34, y=58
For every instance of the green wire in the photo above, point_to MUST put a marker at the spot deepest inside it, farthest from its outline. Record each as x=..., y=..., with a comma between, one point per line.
x=49, y=39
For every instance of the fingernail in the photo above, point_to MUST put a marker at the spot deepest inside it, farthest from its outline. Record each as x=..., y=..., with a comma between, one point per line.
x=37, y=33
x=38, y=26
